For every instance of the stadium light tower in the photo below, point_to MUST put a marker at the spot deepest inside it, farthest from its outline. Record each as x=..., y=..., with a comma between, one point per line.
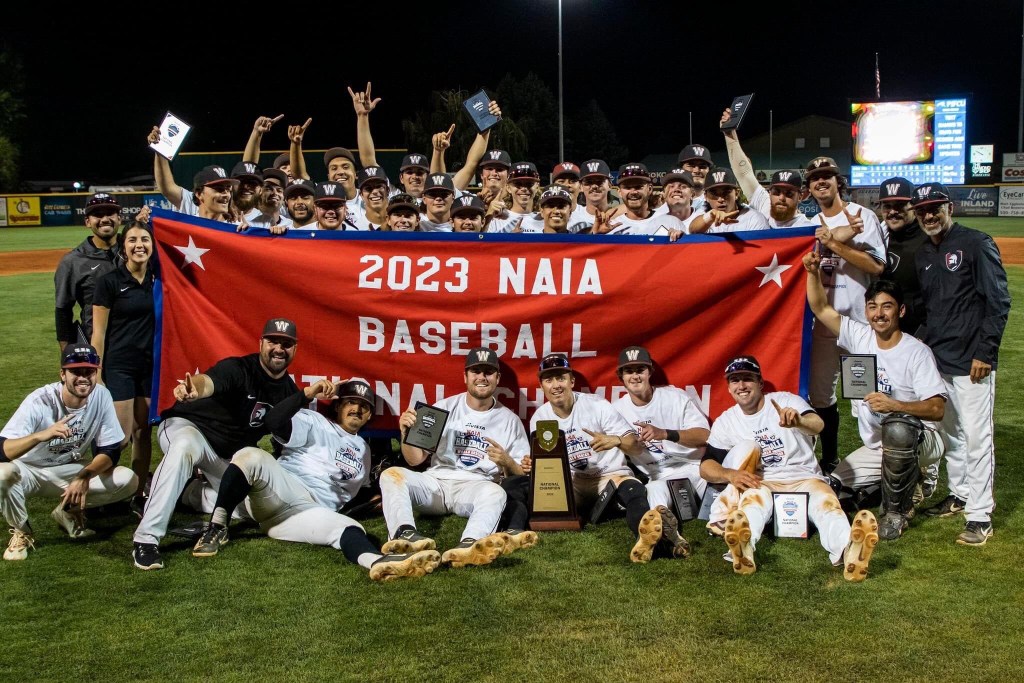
x=561, y=118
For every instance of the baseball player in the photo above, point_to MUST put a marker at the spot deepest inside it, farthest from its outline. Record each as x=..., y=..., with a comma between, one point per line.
x=331, y=208
x=568, y=175
x=966, y=296
x=635, y=188
x=339, y=161
x=697, y=160
x=217, y=414
x=271, y=213
x=724, y=213
x=898, y=423
x=524, y=181
x=905, y=238
x=246, y=193
x=778, y=429
x=299, y=197
x=374, y=188
x=323, y=464
x=481, y=442
x=852, y=246
x=78, y=271
x=211, y=187
x=43, y=445
x=438, y=195
x=468, y=214
x=677, y=189
x=403, y=214
x=556, y=209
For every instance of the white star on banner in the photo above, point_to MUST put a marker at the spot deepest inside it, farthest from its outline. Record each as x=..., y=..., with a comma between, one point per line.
x=193, y=254
x=772, y=272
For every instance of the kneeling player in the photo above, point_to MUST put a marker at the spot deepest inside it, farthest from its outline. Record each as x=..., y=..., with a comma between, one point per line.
x=322, y=466
x=779, y=428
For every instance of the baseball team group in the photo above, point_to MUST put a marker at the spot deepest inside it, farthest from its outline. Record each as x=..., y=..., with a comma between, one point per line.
x=923, y=294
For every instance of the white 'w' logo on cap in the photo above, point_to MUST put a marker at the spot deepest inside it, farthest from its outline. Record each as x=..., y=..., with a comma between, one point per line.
x=250, y=167
x=892, y=188
x=329, y=188
x=361, y=390
x=633, y=354
x=416, y=158
x=281, y=325
x=482, y=356
x=699, y=151
x=220, y=171
x=371, y=170
x=566, y=166
x=719, y=176
x=438, y=179
x=466, y=200
x=495, y=154
x=785, y=175
x=923, y=191
x=593, y=166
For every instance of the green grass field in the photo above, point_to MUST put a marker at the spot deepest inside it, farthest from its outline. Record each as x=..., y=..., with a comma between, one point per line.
x=574, y=608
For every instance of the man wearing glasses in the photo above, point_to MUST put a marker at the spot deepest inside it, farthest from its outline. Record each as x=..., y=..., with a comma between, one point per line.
x=217, y=413
x=966, y=302
x=44, y=442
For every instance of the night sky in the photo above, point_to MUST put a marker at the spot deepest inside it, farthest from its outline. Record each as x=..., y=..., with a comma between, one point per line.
x=97, y=80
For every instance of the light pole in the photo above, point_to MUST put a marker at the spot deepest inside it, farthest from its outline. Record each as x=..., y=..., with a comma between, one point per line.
x=561, y=117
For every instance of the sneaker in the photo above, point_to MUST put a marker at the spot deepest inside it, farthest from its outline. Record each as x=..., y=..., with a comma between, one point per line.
x=473, y=552
x=147, y=556
x=518, y=539
x=650, y=531
x=863, y=539
x=670, y=533
x=71, y=521
x=21, y=541
x=391, y=567
x=408, y=541
x=214, y=537
x=927, y=489
x=975, y=533
x=892, y=526
x=737, y=537
x=947, y=508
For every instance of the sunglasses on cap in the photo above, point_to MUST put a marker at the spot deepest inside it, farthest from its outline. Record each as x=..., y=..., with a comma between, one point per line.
x=81, y=359
x=554, y=363
x=742, y=365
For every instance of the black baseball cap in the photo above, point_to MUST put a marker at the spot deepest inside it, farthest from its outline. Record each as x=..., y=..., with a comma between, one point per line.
x=496, y=157
x=283, y=159
x=565, y=169
x=79, y=356
x=524, y=170
x=554, y=364
x=329, y=192
x=555, y=193
x=895, y=189
x=402, y=201
x=357, y=389
x=211, y=175
x=300, y=186
x=743, y=364
x=280, y=327
x=720, y=177
x=468, y=203
x=930, y=193
x=596, y=167
x=414, y=161
x=635, y=170
x=821, y=165
x=335, y=152
x=695, y=153
x=371, y=173
x=677, y=175
x=101, y=200
x=246, y=170
x=439, y=181
x=482, y=356
x=787, y=177
x=277, y=174
x=634, y=355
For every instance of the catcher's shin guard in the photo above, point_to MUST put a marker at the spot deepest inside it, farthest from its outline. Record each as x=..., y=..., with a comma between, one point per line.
x=901, y=437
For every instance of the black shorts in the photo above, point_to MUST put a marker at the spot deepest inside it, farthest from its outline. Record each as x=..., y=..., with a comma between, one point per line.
x=125, y=384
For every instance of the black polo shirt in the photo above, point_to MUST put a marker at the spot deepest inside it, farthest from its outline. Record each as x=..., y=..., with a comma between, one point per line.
x=901, y=268
x=130, y=324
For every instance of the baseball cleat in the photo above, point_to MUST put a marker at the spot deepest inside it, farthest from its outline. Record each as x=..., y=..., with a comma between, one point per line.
x=517, y=539
x=975, y=533
x=21, y=541
x=409, y=541
x=863, y=539
x=947, y=508
x=391, y=567
x=892, y=526
x=670, y=533
x=71, y=521
x=147, y=556
x=737, y=536
x=715, y=528
x=472, y=552
x=212, y=540
x=651, y=527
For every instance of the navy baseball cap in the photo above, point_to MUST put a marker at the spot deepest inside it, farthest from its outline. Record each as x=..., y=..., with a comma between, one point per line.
x=789, y=178
x=101, y=200
x=496, y=157
x=596, y=167
x=720, y=177
x=634, y=355
x=402, y=201
x=439, y=181
x=930, y=193
x=482, y=356
x=357, y=389
x=414, y=161
x=335, y=152
x=821, y=165
x=300, y=186
x=695, y=153
x=280, y=327
x=277, y=174
x=371, y=173
x=283, y=159
x=329, y=192
x=554, y=364
x=211, y=175
x=677, y=175
x=743, y=364
x=468, y=203
x=556, y=193
x=895, y=189
x=246, y=170
x=634, y=171
x=79, y=356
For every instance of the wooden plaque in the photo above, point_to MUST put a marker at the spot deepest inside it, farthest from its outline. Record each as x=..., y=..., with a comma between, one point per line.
x=552, y=504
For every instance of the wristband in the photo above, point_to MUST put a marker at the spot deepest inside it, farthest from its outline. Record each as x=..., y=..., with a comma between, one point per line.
x=673, y=436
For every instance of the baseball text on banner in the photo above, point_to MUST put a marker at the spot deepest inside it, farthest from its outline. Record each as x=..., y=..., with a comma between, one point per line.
x=402, y=311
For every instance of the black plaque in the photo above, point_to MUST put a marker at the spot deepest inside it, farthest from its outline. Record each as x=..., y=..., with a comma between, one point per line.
x=739, y=108
x=430, y=422
x=859, y=374
x=686, y=501
x=477, y=107
x=552, y=504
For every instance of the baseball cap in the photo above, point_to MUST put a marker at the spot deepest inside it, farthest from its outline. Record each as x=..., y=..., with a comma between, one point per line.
x=695, y=153
x=634, y=355
x=357, y=389
x=211, y=175
x=329, y=192
x=743, y=364
x=335, y=152
x=524, y=170
x=555, y=193
x=789, y=178
x=496, y=157
x=565, y=169
x=371, y=173
x=468, y=203
x=930, y=193
x=280, y=327
x=554, y=364
x=101, y=200
x=246, y=170
x=720, y=177
x=633, y=171
x=300, y=186
x=895, y=189
x=596, y=167
x=277, y=174
x=821, y=165
x=79, y=356
x=677, y=175
x=402, y=201
x=439, y=181
x=482, y=356
x=283, y=159
x=414, y=161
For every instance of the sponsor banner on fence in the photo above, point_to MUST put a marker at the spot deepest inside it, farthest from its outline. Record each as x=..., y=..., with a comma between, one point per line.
x=975, y=201
x=402, y=311
x=23, y=211
x=3, y=213
x=58, y=209
x=1011, y=200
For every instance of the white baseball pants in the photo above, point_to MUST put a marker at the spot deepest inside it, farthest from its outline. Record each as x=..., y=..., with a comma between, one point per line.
x=403, y=491
x=21, y=481
x=863, y=467
x=970, y=448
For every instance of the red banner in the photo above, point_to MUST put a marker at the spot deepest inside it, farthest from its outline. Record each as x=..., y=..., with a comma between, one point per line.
x=402, y=311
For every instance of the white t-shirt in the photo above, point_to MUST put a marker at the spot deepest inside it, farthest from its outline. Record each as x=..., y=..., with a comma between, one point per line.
x=332, y=463
x=646, y=226
x=762, y=203
x=532, y=223
x=427, y=225
x=363, y=223
x=579, y=220
x=263, y=220
x=188, y=204
x=844, y=283
x=747, y=219
x=94, y=421
x=670, y=408
x=787, y=454
x=462, y=453
x=596, y=414
x=906, y=372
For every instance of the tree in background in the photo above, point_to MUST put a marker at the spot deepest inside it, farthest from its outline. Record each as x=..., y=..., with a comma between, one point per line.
x=590, y=135
x=12, y=84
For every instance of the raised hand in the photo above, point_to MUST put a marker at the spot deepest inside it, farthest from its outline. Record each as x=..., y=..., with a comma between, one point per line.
x=788, y=417
x=603, y=223
x=322, y=389
x=296, y=133
x=443, y=141
x=265, y=123
x=855, y=221
x=154, y=136
x=363, y=102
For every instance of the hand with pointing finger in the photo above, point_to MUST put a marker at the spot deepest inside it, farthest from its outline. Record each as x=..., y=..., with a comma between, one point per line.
x=722, y=217
x=498, y=455
x=58, y=430
x=186, y=391
x=265, y=123
x=788, y=417
x=603, y=442
x=443, y=141
x=296, y=133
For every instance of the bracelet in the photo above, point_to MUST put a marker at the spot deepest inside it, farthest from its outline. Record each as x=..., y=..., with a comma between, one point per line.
x=673, y=436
